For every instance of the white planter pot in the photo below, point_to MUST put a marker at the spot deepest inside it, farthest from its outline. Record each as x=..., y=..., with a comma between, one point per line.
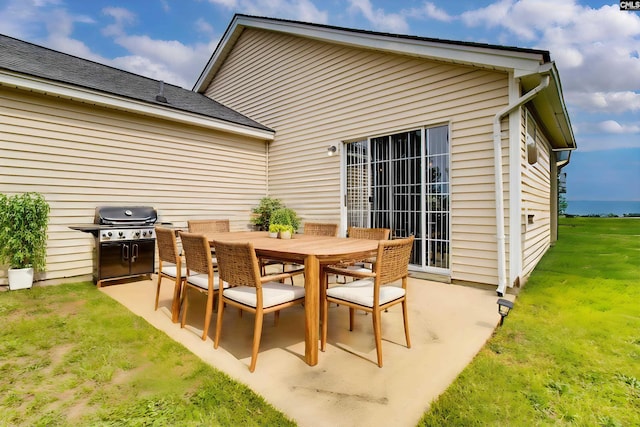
x=285, y=234
x=273, y=235
x=20, y=278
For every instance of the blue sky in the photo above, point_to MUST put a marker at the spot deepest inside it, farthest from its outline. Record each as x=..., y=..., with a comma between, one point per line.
x=596, y=47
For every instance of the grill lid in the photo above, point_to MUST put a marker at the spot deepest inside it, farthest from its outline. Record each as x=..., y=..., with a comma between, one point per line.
x=125, y=215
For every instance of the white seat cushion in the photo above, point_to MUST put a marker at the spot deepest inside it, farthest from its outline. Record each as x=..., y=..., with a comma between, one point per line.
x=361, y=292
x=170, y=270
x=273, y=293
x=359, y=268
x=202, y=281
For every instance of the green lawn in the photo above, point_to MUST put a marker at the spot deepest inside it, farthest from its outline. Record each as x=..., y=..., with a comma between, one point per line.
x=569, y=353
x=70, y=355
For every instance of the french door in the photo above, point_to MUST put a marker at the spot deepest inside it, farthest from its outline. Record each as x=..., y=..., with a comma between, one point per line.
x=401, y=182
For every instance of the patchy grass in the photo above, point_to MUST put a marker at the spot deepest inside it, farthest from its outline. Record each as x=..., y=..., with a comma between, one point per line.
x=569, y=353
x=71, y=355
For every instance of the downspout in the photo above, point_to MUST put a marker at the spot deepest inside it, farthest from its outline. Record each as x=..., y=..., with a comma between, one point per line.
x=497, y=152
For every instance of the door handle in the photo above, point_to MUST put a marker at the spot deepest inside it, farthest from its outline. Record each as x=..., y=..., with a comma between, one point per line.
x=134, y=252
x=125, y=252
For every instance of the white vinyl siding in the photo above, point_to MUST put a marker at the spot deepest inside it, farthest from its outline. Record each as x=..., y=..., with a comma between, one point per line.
x=316, y=94
x=80, y=156
x=536, y=201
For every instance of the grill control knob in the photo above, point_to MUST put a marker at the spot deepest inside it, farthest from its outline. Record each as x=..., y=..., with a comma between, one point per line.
x=150, y=233
x=137, y=234
x=121, y=233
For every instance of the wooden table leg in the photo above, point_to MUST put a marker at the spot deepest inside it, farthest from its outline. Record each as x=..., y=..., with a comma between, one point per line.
x=311, y=309
x=175, y=304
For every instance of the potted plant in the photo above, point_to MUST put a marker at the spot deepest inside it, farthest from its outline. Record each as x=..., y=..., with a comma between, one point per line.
x=281, y=231
x=24, y=219
x=262, y=213
x=285, y=221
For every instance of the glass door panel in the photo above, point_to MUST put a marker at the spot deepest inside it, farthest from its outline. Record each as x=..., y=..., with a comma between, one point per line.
x=399, y=182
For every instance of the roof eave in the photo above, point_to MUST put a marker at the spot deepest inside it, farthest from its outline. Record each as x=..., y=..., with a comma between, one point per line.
x=93, y=97
x=551, y=109
x=520, y=60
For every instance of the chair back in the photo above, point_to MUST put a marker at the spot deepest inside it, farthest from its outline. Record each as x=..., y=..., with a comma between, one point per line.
x=167, y=245
x=237, y=263
x=393, y=260
x=197, y=253
x=320, y=229
x=208, y=226
x=369, y=233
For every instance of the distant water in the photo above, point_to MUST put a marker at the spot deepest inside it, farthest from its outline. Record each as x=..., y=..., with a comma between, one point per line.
x=589, y=207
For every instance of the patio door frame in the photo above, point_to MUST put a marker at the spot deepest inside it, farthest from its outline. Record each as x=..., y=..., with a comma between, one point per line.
x=425, y=240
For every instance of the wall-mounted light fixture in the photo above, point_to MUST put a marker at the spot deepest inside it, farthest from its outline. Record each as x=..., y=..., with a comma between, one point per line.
x=331, y=150
x=504, y=306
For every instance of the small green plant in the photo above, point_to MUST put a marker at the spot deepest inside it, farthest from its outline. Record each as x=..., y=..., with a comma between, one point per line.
x=262, y=213
x=278, y=228
x=24, y=219
x=285, y=216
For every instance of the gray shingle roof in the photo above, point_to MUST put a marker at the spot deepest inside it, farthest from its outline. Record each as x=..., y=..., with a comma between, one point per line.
x=33, y=60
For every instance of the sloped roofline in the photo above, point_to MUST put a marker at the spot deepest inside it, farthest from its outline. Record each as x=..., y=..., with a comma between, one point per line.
x=522, y=63
x=31, y=67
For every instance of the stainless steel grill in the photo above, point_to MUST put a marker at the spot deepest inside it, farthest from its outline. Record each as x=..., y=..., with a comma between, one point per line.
x=124, y=242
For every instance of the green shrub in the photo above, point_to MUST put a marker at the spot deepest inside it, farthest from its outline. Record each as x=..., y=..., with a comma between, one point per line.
x=262, y=213
x=285, y=216
x=24, y=219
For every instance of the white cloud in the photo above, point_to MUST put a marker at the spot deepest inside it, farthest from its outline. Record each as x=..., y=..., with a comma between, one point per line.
x=432, y=11
x=428, y=10
x=167, y=60
x=27, y=20
x=204, y=27
x=122, y=18
x=301, y=10
x=609, y=127
x=378, y=18
x=596, y=50
x=230, y=4
x=606, y=102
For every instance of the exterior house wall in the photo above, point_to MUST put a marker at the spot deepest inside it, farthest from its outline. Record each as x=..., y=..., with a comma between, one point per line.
x=81, y=156
x=536, y=201
x=316, y=94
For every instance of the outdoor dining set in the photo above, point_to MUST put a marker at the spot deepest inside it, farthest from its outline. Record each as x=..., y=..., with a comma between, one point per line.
x=238, y=269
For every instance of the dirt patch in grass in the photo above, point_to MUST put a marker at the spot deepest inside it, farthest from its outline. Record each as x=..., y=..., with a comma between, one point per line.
x=72, y=356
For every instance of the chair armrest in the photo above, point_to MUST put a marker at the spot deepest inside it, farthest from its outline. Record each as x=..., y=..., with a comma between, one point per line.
x=274, y=277
x=346, y=272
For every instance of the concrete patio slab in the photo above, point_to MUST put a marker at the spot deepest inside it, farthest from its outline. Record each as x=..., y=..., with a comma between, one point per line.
x=449, y=324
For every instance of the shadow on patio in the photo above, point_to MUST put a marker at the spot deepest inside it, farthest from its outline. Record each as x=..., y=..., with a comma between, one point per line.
x=448, y=325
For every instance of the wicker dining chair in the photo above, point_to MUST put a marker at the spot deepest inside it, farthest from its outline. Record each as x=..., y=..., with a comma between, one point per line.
x=368, y=233
x=371, y=234
x=201, y=278
x=201, y=226
x=204, y=226
x=374, y=291
x=249, y=291
x=170, y=264
x=320, y=229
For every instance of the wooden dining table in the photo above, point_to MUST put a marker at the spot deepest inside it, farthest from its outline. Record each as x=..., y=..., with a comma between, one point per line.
x=313, y=252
